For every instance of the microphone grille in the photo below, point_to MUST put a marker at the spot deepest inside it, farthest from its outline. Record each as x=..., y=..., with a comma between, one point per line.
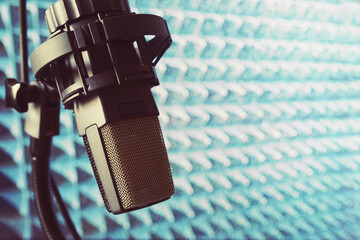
x=138, y=161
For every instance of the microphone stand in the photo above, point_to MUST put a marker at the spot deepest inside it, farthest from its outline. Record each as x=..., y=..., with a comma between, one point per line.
x=42, y=105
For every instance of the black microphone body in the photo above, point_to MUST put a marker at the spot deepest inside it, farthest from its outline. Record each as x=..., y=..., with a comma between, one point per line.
x=103, y=67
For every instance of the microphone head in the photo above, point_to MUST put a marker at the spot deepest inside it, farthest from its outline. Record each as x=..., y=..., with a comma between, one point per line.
x=130, y=163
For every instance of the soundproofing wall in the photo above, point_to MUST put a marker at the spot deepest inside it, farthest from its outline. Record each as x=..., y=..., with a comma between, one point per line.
x=260, y=105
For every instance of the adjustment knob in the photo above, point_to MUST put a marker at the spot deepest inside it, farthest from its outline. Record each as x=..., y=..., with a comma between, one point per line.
x=19, y=94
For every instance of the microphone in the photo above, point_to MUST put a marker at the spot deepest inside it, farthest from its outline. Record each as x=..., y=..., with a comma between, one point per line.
x=101, y=58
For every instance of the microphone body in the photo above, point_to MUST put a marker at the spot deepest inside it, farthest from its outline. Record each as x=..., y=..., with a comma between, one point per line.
x=128, y=155
x=103, y=67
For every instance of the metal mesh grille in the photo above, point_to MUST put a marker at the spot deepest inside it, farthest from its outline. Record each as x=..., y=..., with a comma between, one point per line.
x=138, y=161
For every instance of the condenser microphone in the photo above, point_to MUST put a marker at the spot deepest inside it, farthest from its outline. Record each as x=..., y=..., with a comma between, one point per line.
x=101, y=61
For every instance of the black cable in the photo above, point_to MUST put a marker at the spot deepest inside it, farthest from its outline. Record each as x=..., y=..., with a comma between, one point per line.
x=40, y=151
x=41, y=154
x=63, y=210
x=23, y=42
